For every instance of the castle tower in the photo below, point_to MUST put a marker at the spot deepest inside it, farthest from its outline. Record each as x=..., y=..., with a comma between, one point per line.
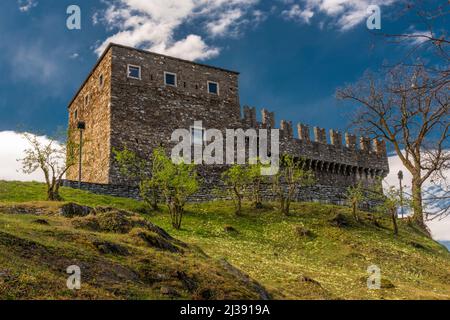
x=136, y=99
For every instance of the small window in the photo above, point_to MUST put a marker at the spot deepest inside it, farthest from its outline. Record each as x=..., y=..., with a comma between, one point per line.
x=75, y=114
x=197, y=135
x=101, y=81
x=213, y=87
x=86, y=99
x=134, y=72
x=170, y=79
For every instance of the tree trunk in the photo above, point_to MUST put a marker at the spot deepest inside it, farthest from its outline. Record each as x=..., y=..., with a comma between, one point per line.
x=176, y=213
x=287, y=206
x=53, y=193
x=282, y=204
x=238, y=206
x=394, y=220
x=238, y=201
x=154, y=202
x=417, y=202
x=355, y=211
x=257, y=196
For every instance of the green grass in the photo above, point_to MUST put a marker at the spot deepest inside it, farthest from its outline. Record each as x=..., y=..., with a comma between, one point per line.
x=267, y=247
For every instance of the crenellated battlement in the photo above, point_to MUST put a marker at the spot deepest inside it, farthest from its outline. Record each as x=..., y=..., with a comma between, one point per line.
x=338, y=159
x=335, y=138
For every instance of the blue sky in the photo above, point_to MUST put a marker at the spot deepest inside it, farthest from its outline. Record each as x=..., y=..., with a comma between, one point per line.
x=292, y=54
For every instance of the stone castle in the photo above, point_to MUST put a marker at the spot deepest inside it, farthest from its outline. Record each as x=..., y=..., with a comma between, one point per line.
x=136, y=98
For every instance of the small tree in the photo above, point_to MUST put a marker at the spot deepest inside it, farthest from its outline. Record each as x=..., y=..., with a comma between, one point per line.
x=52, y=158
x=355, y=195
x=134, y=167
x=391, y=203
x=288, y=179
x=176, y=181
x=255, y=182
x=236, y=179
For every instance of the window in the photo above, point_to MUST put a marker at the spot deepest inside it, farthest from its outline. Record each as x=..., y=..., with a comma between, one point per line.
x=75, y=114
x=86, y=99
x=170, y=79
x=134, y=72
x=197, y=135
x=213, y=87
x=101, y=81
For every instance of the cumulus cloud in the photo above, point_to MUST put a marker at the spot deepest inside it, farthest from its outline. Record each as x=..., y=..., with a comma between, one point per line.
x=158, y=25
x=152, y=25
x=344, y=14
x=439, y=229
x=27, y=5
x=13, y=147
x=296, y=13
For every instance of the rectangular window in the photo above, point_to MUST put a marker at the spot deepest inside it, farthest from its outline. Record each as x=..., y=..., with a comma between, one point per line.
x=101, y=81
x=134, y=72
x=170, y=79
x=213, y=87
x=197, y=135
x=75, y=114
x=86, y=99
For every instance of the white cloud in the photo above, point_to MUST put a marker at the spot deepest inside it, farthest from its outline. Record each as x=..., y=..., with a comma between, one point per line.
x=157, y=25
x=344, y=14
x=27, y=5
x=74, y=55
x=223, y=23
x=13, y=147
x=439, y=229
x=296, y=13
x=152, y=25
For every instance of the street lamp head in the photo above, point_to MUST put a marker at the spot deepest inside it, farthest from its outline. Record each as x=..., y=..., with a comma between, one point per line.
x=81, y=125
x=400, y=175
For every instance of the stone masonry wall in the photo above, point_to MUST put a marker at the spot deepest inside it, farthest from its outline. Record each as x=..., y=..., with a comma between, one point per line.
x=96, y=113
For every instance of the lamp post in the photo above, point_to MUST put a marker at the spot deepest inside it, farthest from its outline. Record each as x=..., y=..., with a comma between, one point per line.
x=400, y=179
x=81, y=126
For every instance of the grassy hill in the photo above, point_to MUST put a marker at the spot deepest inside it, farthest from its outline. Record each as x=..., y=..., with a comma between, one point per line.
x=305, y=256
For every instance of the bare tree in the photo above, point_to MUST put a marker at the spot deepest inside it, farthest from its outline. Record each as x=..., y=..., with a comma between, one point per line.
x=426, y=39
x=52, y=158
x=406, y=109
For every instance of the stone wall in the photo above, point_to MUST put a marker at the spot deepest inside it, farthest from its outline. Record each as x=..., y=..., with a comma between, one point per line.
x=317, y=193
x=95, y=112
